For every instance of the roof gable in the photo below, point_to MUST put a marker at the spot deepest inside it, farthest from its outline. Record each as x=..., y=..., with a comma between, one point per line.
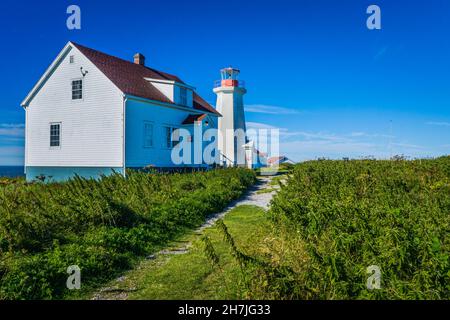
x=130, y=78
x=127, y=76
x=43, y=79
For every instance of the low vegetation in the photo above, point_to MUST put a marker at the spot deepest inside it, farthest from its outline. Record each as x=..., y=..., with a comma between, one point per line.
x=5, y=181
x=191, y=275
x=102, y=226
x=328, y=222
x=331, y=220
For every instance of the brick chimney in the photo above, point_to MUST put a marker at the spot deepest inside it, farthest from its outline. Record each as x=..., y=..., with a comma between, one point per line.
x=139, y=59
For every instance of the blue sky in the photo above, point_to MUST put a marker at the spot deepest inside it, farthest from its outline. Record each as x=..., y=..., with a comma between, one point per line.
x=312, y=68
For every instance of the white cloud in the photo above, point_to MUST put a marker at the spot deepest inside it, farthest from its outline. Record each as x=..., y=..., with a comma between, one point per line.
x=258, y=125
x=12, y=130
x=320, y=135
x=316, y=136
x=11, y=156
x=300, y=150
x=303, y=145
x=370, y=135
x=436, y=123
x=408, y=145
x=312, y=149
x=267, y=109
x=12, y=125
x=11, y=136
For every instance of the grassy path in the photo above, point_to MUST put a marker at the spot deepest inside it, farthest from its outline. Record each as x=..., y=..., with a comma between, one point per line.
x=190, y=275
x=182, y=271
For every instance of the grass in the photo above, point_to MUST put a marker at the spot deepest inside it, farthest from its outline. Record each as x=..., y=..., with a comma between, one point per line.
x=276, y=180
x=266, y=190
x=274, y=184
x=191, y=275
x=270, y=171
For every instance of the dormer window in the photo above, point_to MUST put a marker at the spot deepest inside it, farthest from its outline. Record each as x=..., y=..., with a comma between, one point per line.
x=183, y=96
x=178, y=93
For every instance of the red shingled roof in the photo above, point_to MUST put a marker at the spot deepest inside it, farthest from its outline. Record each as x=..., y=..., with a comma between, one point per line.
x=193, y=118
x=276, y=159
x=262, y=154
x=129, y=78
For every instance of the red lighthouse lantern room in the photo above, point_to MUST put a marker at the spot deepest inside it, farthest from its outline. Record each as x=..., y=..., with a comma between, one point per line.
x=229, y=77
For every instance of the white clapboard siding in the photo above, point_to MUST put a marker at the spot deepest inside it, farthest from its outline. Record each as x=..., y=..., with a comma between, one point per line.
x=92, y=128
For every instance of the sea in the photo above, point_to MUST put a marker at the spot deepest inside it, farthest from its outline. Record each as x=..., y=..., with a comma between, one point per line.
x=11, y=171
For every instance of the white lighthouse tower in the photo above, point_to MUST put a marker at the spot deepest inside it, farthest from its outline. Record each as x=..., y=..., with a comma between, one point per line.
x=230, y=103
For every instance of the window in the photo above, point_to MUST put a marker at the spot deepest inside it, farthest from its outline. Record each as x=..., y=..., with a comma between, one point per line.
x=183, y=96
x=77, y=89
x=55, y=134
x=169, y=143
x=148, y=135
x=168, y=137
x=71, y=59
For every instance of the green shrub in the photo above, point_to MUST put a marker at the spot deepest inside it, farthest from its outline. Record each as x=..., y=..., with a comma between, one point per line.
x=347, y=215
x=101, y=226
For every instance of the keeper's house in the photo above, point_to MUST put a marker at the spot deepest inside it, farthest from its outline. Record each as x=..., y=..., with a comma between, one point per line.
x=92, y=113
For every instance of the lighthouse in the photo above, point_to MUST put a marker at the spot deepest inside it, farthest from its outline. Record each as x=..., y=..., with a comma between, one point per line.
x=231, y=126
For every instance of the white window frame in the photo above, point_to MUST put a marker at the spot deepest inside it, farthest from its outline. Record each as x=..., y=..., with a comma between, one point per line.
x=145, y=124
x=72, y=90
x=72, y=59
x=59, y=135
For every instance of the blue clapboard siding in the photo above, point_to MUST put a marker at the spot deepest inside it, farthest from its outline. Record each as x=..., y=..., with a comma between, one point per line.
x=137, y=114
